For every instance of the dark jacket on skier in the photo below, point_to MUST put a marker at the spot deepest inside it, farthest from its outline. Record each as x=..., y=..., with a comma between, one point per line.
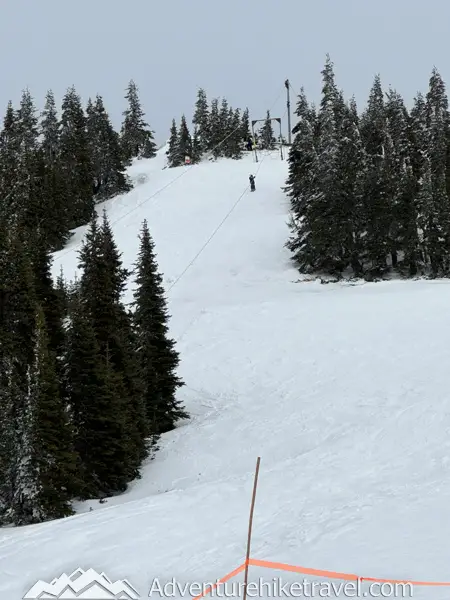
x=252, y=182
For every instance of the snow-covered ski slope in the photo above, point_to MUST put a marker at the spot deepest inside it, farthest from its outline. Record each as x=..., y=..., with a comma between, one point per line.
x=343, y=391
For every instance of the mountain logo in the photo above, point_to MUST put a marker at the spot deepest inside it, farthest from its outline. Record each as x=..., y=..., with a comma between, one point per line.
x=82, y=585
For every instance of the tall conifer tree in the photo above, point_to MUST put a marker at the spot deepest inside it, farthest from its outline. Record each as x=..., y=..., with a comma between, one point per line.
x=201, y=121
x=184, y=141
x=76, y=161
x=438, y=206
x=158, y=358
x=110, y=177
x=136, y=136
x=173, y=154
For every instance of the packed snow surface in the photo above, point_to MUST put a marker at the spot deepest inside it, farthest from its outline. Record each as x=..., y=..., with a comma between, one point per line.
x=343, y=391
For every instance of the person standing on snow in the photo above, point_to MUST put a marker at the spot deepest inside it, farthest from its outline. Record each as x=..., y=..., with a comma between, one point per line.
x=252, y=183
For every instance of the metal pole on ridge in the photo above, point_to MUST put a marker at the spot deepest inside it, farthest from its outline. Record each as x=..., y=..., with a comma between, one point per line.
x=250, y=523
x=254, y=142
x=287, y=85
x=281, y=142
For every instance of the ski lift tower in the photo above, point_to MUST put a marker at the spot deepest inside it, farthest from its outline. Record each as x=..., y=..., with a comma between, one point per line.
x=278, y=119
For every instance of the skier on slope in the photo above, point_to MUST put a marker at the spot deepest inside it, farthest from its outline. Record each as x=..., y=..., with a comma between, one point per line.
x=252, y=183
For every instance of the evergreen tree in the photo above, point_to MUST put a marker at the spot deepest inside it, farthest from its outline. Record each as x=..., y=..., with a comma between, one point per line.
x=371, y=192
x=47, y=296
x=136, y=136
x=219, y=127
x=378, y=216
x=101, y=289
x=196, y=152
x=9, y=165
x=267, y=139
x=62, y=296
x=438, y=208
x=18, y=312
x=234, y=145
x=96, y=410
x=299, y=158
x=418, y=135
x=229, y=134
x=421, y=173
x=324, y=183
x=425, y=201
x=110, y=177
x=12, y=413
x=349, y=168
x=173, y=155
x=124, y=360
x=215, y=146
x=201, y=121
x=158, y=359
x=47, y=460
x=184, y=141
x=327, y=235
x=50, y=128
x=245, y=126
x=224, y=126
x=301, y=184
x=18, y=304
x=17, y=329
x=29, y=210
x=19, y=485
x=150, y=147
x=76, y=162
x=55, y=218
x=400, y=180
x=27, y=125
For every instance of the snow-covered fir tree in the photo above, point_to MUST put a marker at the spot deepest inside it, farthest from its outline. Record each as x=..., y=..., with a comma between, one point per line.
x=137, y=138
x=56, y=220
x=215, y=129
x=29, y=210
x=369, y=193
x=158, y=358
x=234, y=146
x=47, y=465
x=377, y=203
x=196, y=150
x=318, y=183
x=267, y=139
x=76, y=161
x=422, y=183
x=400, y=181
x=437, y=207
x=101, y=289
x=349, y=168
x=218, y=131
x=50, y=128
x=202, y=123
x=10, y=172
x=184, y=142
x=301, y=185
x=108, y=164
x=96, y=409
x=36, y=461
x=224, y=128
x=17, y=327
x=174, y=158
x=245, y=126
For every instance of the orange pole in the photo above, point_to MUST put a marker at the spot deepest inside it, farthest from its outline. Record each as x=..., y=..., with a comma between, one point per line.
x=250, y=524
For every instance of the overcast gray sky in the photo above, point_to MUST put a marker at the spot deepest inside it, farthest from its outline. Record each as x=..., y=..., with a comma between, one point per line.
x=241, y=49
